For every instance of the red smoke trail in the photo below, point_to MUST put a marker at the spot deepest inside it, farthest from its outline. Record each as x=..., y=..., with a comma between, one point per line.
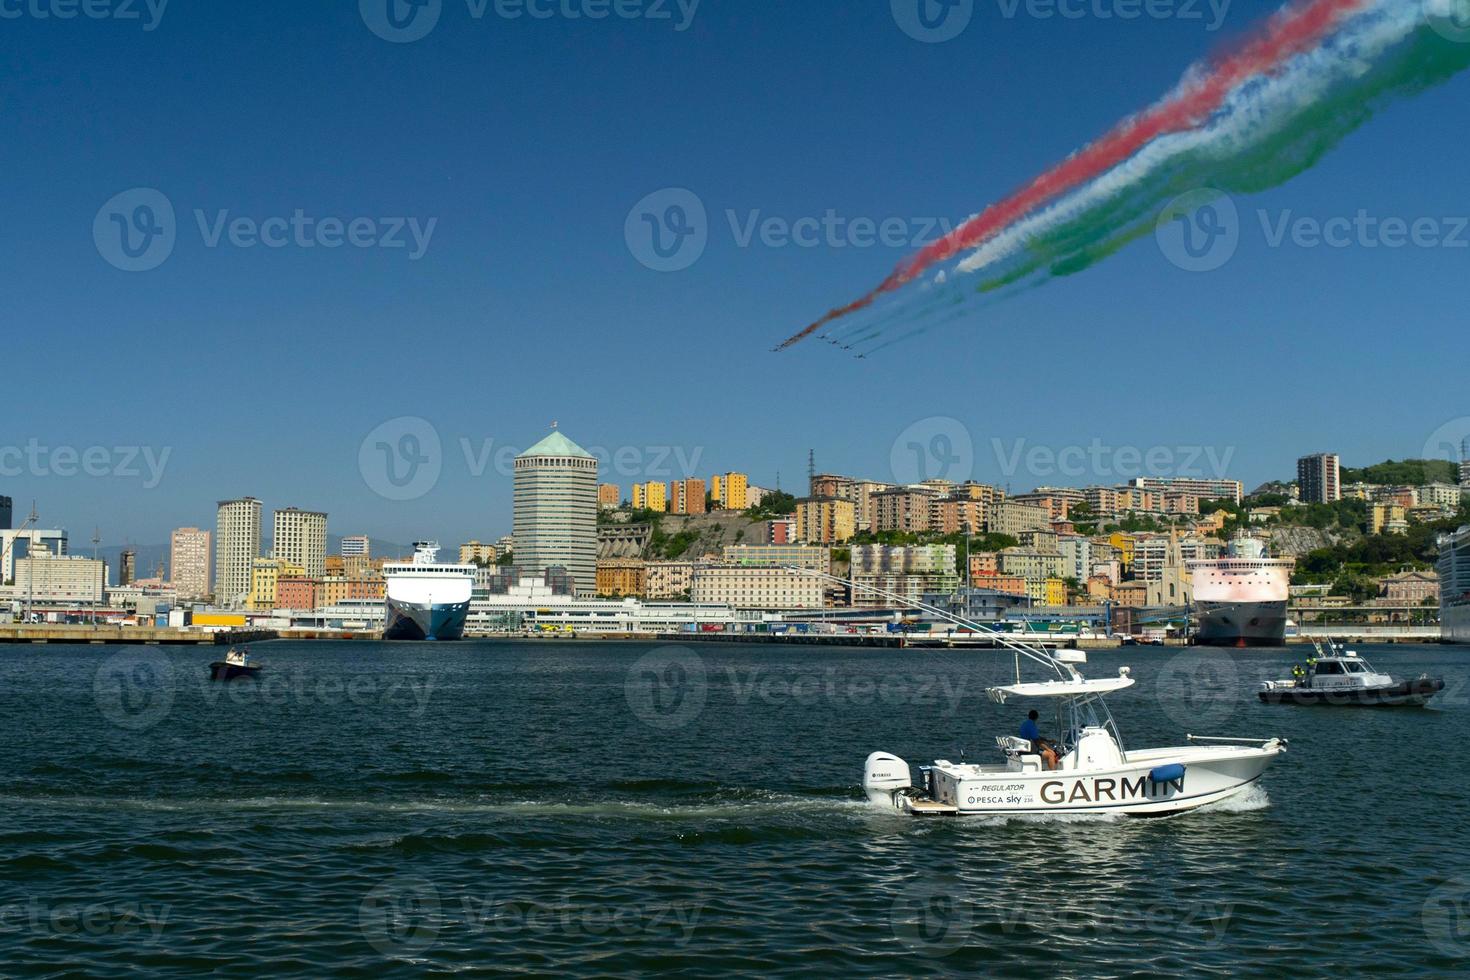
x=1287, y=34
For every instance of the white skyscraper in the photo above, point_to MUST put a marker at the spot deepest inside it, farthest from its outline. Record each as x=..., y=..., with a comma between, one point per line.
x=236, y=546
x=556, y=511
x=356, y=546
x=300, y=537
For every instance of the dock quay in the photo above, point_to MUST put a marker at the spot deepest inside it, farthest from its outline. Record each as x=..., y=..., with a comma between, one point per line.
x=103, y=635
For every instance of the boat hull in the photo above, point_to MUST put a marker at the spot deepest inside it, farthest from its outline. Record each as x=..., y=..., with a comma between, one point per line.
x=1409, y=694
x=419, y=621
x=1241, y=624
x=221, y=671
x=1209, y=776
x=1454, y=623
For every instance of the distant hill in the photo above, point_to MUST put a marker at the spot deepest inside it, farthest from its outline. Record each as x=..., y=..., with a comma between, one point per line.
x=1408, y=472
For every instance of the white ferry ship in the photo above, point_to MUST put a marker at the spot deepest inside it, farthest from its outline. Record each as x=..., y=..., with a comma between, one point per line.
x=1240, y=599
x=426, y=600
x=1454, y=586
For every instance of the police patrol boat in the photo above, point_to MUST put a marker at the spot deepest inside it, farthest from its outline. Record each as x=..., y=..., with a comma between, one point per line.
x=1093, y=773
x=1337, y=675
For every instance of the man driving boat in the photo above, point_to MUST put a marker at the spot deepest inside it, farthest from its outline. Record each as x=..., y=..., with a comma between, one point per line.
x=1031, y=732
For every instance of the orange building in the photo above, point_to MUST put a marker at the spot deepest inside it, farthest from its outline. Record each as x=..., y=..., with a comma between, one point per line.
x=687, y=497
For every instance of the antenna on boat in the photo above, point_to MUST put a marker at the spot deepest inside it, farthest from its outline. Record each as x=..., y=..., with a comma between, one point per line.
x=1038, y=654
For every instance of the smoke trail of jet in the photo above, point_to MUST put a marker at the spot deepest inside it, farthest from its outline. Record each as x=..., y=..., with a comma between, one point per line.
x=1211, y=124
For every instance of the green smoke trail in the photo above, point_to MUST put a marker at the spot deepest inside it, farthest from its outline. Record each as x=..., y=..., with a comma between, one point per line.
x=1292, y=141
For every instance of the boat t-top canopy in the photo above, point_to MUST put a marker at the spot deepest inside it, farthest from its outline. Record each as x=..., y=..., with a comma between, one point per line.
x=1075, y=688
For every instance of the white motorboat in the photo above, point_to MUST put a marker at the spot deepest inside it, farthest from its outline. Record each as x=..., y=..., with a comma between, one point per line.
x=1094, y=773
x=1338, y=676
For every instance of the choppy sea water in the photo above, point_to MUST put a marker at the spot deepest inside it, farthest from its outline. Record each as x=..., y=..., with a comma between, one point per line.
x=625, y=809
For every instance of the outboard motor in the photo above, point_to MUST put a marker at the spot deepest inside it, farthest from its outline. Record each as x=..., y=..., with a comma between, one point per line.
x=884, y=775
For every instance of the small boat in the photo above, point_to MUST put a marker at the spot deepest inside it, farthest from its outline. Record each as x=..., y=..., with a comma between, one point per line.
x=1337, y=675
x=236, y=664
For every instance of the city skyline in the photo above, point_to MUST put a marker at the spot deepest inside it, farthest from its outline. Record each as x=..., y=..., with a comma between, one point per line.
x=930, y=447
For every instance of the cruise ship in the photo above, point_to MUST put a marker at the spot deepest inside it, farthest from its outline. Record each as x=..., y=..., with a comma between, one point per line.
x=426, y=600
x=1240, y=598
x=1454, y=586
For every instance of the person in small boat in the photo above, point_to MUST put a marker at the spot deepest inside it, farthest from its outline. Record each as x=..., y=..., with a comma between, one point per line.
x=1031, y=732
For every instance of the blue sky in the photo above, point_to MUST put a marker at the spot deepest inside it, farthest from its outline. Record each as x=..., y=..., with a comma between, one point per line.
x=524, y=144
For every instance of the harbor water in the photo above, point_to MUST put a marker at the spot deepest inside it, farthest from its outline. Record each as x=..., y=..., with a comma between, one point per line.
x=587, y=808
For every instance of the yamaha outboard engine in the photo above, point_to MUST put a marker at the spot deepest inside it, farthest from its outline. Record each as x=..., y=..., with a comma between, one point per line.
x=883, y=776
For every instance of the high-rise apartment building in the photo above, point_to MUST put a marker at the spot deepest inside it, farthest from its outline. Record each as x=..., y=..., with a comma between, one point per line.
x=189, y=562
x=730, y=491
x=127, y=572
x=652, y=496
x=477, y=553
x=686, y=497
x=236, y=546
x=300, y=537
x=556, y=511
x=825, y=520
x=1319, y=478
x=356, y=546
x=609, y=496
